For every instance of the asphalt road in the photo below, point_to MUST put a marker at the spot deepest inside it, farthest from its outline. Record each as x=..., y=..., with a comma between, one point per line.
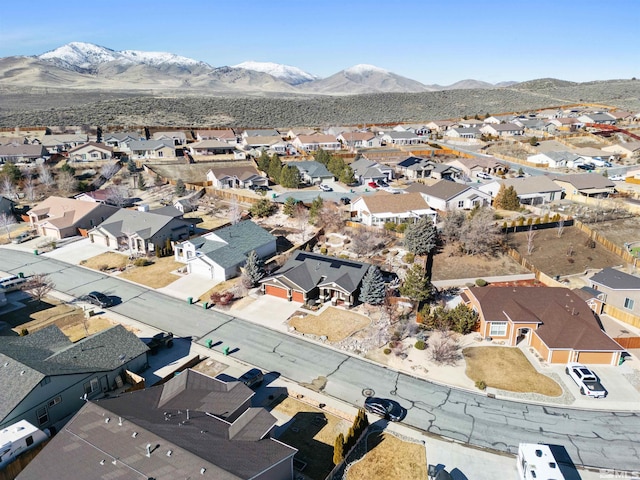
x=596, y=439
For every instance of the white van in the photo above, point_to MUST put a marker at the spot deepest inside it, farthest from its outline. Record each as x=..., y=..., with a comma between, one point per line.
x=12, y=284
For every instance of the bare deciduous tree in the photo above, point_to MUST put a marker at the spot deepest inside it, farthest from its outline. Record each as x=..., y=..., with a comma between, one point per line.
x=363, y=242
x=531, y=235
x=45, y=176
x=7, y=188
x=445, y=349
x=302, y=216
x=109, y=170
x=330, y=217
x=67, y=183
x=560, y=227
x=30, y=188
x=38, y=286
x=480, y=234
x=6, y=220
x=117, y=196
x=235, y=212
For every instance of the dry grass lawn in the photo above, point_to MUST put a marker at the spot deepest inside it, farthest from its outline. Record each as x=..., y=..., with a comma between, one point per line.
x=230, y=284
x=106, y=261
x=313, y=432
x=209, y=222
x=336, y=324
x=156, y=275
x=78, y=331
x=506, y=368
x=389, y=457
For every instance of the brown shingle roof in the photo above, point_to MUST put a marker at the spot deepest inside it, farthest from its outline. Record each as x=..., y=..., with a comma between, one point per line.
x=383, y=202
x=566, y=320
x=63, y=212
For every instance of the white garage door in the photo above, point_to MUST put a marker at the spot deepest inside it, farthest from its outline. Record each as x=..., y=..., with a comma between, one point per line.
x=200, y=268
x=99, y=240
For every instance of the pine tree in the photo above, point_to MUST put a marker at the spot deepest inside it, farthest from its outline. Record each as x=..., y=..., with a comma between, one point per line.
x=289, y=207
x=275, y=167
x=346, y=176
x=254, y=268
x=416, y=284
x=373, y=289
x=316, y=208
x=263, y=161
x=335, y=165
x=507, y=198
x=322, y=156
x=99, y=134
x=289, y=177
x=180, y=189
x=142, y=185
x=420, y=238
x=338, y=449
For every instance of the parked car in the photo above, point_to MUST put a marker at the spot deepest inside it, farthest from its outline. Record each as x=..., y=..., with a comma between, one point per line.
x=483, y=175
x=617, y=178
x=98, y=299
x=159, y=340
x=252, y=378
x=22, y=237
x=587, y=381
x=586, y=166
x=345, y=200
x=372, y=185
x=325, y=188
x=382, y=183
x=259, y=188
x=388, y=409
x=12, y=283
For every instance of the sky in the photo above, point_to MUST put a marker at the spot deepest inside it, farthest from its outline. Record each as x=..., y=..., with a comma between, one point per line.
x=434, y=42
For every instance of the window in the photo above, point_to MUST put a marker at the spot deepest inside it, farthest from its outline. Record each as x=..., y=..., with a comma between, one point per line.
x=43, y=416
x=29, y=440
x=628, y=303
x=44, y=381
x=460, y=203
x=55, y=401
x=91, y=386
x=498, y=329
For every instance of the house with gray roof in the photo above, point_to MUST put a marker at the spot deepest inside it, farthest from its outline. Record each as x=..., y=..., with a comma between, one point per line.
x=312, y=172
x=312, y=278
x=120, y=141
x=45, y=377
x=22, y=152
x=598, y=117
x=142, y=149
x=193, y=426
x=577, y=185
x=415, y=167
x=402, y=138
x=463, y=132
x=621, y=290
x=556, y=159
x=365, y=171
x=240, y=176
x=139, y=232
x=220, y=254
x=447, y=195
x=533, y=190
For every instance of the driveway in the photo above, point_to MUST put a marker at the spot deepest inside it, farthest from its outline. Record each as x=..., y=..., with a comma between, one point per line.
x=75, y=252
x=272, y=312
x=188, y=286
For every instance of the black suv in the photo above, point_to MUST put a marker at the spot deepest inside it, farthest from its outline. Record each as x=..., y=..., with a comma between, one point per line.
x=252, y=378
x=259, y=188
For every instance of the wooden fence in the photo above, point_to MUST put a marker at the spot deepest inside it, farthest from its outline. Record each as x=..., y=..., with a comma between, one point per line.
x=628, y=342
x=362, y=226
x=607, y=244
x=626, y=317
x=540, y=276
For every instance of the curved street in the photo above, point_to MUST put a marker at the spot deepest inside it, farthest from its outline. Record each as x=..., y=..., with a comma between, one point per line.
x=595, y=439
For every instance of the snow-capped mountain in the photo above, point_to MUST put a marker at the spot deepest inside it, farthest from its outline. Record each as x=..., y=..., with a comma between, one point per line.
x=286, y=73
x=82, y=56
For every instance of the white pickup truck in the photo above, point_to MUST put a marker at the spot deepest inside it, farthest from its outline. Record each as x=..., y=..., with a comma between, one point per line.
x=587, y=381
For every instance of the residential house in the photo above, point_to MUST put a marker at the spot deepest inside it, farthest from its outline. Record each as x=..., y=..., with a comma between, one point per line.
x=139, y=232
x=533, y=190
x=260, y=142
x=498, y=119
x=555, y=159
x=469, y=167
x=312, y=172
x=359, y=140
x=220, y=254
x=311, y=278
x=402, y=138
x=620, y=290
x=628, y=150
x=366, y=171
x=311, y=143
x=470, y=123
x=563, y=124
x=554, y=321
x=178, y=138
x=594, y=155
x=413, y=168
x=97, y=196
x=223, y=135
x=419, y=129
x=598, y=117
x=214, y=147
x=579, y=185
x=502, y=130
x=60, y=217
x=22, y=152
x=536, y=124
x=294, y=132
x=261, y=133
x=45, y=376
x=447, y=195
x=62, y=142
x=143, y=149
x=90, y=151
x=120, y=141
x=193, y=426
x=382, y=207
x=241, y=176
x=463, y=132
x=621, y=116
x=440, y=126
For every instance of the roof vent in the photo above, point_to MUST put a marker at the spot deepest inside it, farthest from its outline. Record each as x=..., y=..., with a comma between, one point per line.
x=538, y=453
x=102, y=462
x=119, y=421
x=169, y=452
x=106, y=420
x=22, y=372
x=148, y=449
x=202, y=470
x=6, y=364
x=134, y=434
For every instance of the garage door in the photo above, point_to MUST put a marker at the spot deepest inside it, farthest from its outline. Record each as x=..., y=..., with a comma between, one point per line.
x=99, y=240
x=276, y=291
x=297, y=297
x=601, y=358
x=199, y=268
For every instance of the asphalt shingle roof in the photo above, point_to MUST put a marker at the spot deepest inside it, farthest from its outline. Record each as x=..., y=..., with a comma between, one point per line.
x=616, y=280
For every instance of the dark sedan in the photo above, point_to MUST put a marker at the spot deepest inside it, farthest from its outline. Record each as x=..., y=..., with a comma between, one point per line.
x=389, y=409
x=98, y=299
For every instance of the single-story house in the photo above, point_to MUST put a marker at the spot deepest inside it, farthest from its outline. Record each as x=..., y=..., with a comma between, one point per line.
x=260, y=142
x=463, y=132
x=359, y=139
x=270, y=132
x=563, y=124
x=193, y=426
x=63, y=142
x=555, y=159
x=502, y=130
x=402, y=138
x=584, y=185
x=533, y=190
x=220, y=254
x=629, y=149
x=311, y=143
x=471, y=166
x=60, y=217
x=621, y=291
x=312, y=278
x=140, y=232
x=178, y=138
x=243, y=176
x=312, y=172
x=447, y=195
x=598, y=117
x=366, y=171
x=555, y=321
x=45, y=376
x=440, y=126
x=224, y=135
x=470, y=123
x=213, y=147
x=91, y=151
x=415, y=167
x=383, y=207
x=141, y=149
x=22, y=152
x=120, y=141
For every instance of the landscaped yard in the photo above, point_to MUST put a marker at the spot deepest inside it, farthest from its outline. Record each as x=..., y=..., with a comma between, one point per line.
x=389, y=457
x=313, y=432
x=334, y=323
x=506, y=368
x=106, y=261
x=156, y=275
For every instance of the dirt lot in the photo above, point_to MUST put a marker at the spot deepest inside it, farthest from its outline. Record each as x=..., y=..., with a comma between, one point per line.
x=448, y=265
x=389, y=457
x=621, y=231
x=565, y=255
x=507, y=369
x=313, y=432
x=334, y=323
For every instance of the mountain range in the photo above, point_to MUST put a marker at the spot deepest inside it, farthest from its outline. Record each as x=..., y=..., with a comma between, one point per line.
x=87, y=66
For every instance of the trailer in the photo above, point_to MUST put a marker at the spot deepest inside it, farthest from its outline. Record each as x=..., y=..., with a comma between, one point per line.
x=19, y=438
x=537, y=462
